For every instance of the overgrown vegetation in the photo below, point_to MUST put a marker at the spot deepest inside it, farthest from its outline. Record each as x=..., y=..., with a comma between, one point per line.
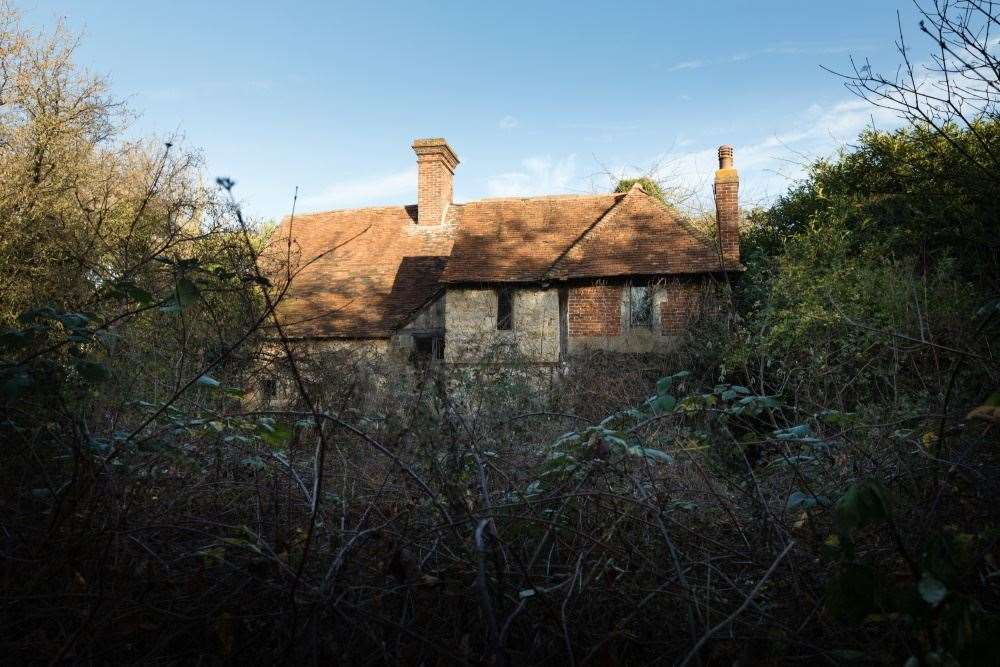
x=812, y=480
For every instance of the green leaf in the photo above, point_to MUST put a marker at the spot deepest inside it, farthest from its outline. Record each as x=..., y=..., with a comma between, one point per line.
x=662, y=403
x=107, y=338
x=849, y=655
x=185, y=293
x=16, y=383
x=274, y=433
x=663, y=384
x=993, y=399
x=45, y=313
x=15, y=339
x=74, y=320
x=932, y=590
x=208, y=381
x=863, y=503
x=851, y=594
x=729, y=392
x=132, y=291
x=254, y=462
x=800, y=432
x=657, y=455
x=798, y=499
x=92, y=372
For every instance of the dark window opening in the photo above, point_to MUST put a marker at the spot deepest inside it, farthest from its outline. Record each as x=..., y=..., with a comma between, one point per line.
x=505, y=310
x=563, y=323
x=640, y=306
x=427, y=349
x=423, y=346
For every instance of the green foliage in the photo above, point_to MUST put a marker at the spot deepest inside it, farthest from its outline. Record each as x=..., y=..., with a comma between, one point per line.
x=651, y=187
x=896, y=236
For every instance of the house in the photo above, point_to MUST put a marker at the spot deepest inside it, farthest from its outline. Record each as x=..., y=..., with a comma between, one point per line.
x=542, y=278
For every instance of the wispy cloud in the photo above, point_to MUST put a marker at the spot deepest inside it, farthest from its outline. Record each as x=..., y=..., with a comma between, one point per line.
x=538, y=175
x=771, y=163
x=688, y=64
x=384, y=189
x=783, y=49
x=508, y=123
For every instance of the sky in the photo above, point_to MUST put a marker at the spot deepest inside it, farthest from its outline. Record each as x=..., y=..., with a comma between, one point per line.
x=534, y=97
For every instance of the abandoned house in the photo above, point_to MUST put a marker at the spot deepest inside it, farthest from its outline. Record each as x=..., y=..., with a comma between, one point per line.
x=539, y=278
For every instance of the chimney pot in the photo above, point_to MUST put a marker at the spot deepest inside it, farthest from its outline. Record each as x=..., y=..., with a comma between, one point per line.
x=725, y=157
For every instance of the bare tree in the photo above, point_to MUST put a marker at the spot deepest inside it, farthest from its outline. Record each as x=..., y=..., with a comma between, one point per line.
x=957, y=88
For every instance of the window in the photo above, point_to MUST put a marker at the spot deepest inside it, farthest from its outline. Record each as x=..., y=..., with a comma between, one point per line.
x=640, y=306
x=427, y=349
x=505, y=310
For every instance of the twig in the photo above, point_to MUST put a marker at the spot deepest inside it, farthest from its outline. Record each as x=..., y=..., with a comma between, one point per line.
x=739, y=610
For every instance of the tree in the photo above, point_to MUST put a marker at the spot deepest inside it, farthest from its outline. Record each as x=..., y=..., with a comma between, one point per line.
x=954, y=93
x=79, y=208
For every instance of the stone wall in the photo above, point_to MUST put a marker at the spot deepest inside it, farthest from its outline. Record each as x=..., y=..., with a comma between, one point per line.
x=596, y=318
x=429, y=321
x=471, y=326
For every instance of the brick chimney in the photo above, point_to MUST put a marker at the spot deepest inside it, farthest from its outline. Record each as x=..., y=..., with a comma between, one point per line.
x=436, y=164
x=727, y=207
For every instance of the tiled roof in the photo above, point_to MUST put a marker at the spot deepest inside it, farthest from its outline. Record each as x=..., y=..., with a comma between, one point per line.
x=376, y=266
x=518, y=240
x=558, y=238
x=363, y=272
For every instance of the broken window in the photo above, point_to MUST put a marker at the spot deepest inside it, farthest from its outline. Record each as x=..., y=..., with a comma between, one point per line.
x=640, y=306
x=505, y=310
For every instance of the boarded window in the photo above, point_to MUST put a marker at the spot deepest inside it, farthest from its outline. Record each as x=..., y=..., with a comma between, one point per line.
x=505, y=310
x=640, y=306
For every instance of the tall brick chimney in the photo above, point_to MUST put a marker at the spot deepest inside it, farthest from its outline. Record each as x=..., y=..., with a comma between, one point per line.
x=436, y=164
x=727, y=206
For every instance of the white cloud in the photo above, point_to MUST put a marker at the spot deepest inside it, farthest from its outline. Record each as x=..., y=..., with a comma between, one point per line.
x=804, y=49
x=508, y=123
x=539, y=175
x=770, y=163
x=377, y=190
x=687, y=64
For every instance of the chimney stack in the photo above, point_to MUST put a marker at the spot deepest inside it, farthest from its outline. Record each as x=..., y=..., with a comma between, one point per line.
x=727, y=207
x=436, y=164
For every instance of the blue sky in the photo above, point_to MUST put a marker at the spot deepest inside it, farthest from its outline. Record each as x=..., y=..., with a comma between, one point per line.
x=534, y=97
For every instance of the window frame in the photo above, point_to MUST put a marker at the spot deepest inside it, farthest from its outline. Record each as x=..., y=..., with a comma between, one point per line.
x=434, y=352
x=505, y=320
x=647, y=321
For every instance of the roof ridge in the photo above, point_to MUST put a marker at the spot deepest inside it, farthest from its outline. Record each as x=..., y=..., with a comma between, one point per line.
x=386, y=207
x=595, y=195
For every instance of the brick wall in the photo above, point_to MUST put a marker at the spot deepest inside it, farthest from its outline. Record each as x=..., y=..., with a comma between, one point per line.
x=594, y=310
x=682, y=301
x=727, y=205
x=680, y=304
x=436, y=164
